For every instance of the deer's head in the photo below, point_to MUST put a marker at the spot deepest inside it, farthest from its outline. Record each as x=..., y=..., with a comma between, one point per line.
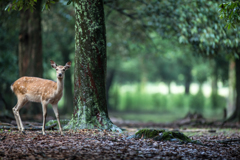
x=60, y=70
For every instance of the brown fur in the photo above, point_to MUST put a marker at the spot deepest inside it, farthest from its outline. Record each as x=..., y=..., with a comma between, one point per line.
x=38, y=87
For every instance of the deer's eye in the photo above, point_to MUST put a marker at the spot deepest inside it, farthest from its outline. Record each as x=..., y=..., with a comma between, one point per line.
x=63, y=70
x=56, y=69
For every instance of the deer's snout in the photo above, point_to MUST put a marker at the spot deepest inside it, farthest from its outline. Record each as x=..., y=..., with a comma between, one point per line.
x=59, y=74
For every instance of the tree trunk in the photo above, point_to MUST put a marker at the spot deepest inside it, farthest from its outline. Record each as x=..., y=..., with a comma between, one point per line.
x=30, y=42
x=143, y=75
x=232, y=92
x=214, y=76
x=188, y=79
x=90, y=104
x=30, y=48
x=236, y=113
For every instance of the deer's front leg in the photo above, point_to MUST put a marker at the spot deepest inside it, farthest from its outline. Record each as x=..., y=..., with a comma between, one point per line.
x=44, y=108
x=55, y=109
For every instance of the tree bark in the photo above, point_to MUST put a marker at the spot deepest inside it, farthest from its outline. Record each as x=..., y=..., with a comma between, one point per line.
x=90, y=68
x=30, y=42
x=30, y=48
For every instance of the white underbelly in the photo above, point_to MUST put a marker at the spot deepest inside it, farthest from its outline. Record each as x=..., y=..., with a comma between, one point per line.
x=33, y=98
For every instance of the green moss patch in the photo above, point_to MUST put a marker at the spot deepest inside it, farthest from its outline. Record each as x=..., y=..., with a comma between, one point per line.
x=162, y=135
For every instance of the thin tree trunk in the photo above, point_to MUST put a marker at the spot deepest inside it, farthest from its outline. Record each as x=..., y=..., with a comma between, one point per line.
x=30, y=48
x=143, y=75
x=214, y=76
x=90, y=68
x=232, y=92
x=188, y=79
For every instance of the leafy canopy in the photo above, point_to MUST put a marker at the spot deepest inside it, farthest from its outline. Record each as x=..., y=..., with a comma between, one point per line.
x=29, y=4
x=230, y=13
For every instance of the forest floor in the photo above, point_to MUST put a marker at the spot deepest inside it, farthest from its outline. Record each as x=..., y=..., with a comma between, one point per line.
x=219, y=142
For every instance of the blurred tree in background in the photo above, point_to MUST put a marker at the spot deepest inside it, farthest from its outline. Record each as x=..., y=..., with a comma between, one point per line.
x=230, y=13
x=30, y=49
x=8, y=52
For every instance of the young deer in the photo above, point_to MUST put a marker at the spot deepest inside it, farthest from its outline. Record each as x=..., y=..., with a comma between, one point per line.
x=45, y=91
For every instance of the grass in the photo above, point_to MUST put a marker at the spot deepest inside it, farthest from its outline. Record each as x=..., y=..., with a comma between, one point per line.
x=159, y=117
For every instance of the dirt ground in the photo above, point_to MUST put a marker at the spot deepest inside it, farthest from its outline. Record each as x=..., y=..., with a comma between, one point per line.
x=219, y=143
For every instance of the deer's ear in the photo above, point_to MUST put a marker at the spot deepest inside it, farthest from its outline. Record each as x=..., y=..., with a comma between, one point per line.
x=53, y=64
x=68, y=64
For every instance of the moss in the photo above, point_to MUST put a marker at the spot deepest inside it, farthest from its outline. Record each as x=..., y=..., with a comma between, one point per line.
x=166, y=136
x=172, y=136
x=148, y=133
x=162, y=135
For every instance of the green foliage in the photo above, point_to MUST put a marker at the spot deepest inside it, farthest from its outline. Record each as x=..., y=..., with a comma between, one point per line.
x=230, y=13
x=28, y=4
x=200, y=74
x=142, y=101
x=159, y=101
x=217, y=101
x=197, y=102
x=114, y=96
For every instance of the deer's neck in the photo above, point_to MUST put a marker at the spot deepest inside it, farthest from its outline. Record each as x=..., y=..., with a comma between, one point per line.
x=59, y=85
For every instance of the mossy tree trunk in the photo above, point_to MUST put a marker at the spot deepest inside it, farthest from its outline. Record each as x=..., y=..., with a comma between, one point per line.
x=30, y=49
x=90, y=68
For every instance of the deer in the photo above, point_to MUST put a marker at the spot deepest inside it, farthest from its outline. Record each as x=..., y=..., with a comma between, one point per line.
x=44, y=91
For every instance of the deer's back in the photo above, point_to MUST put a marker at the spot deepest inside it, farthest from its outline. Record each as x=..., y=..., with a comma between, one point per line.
x=33, y=89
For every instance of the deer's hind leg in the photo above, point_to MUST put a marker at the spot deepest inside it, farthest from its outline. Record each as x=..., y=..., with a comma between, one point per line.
x=21, y=102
